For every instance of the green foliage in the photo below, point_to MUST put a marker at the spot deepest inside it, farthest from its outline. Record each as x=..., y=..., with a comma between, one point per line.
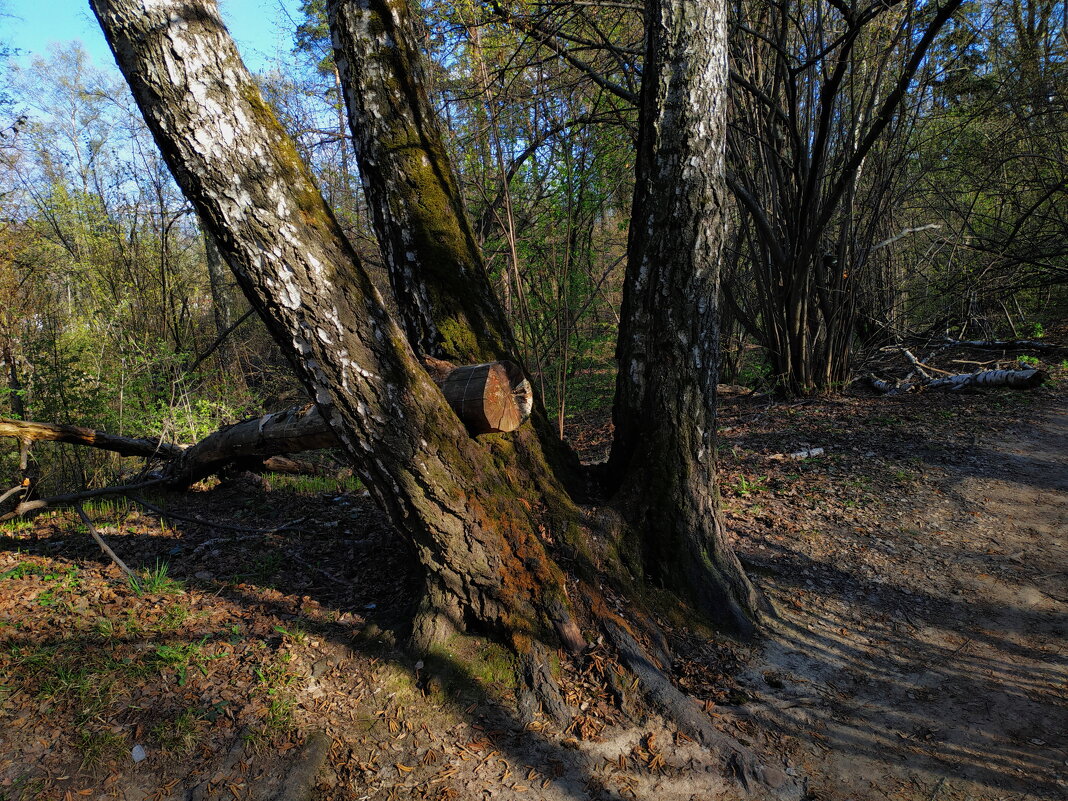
x=181, y=658
x=746, y=486
x=179, y=735
x=155, y=581
x=98, y=746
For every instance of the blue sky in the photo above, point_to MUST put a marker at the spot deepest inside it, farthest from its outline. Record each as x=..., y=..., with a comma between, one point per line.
x=261, y=28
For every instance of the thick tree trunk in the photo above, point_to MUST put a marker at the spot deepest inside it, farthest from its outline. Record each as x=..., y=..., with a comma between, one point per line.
x=435, y=265
x=475, y=536
x=663, y=461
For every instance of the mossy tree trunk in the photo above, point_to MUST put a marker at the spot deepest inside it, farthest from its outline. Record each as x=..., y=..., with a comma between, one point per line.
x=663, y=461
x=435, y=265
x=475, y=535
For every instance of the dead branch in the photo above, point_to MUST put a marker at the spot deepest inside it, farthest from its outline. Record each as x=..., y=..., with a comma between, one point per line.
x=32, y=507
x=13, y=491
x=212, y=523
x=103, y=545
x=27, y=432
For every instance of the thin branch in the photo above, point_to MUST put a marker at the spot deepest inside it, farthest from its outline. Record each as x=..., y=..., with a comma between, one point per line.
x=103, y=545
x=32, y=507
x=219, y=340
x=212, y=523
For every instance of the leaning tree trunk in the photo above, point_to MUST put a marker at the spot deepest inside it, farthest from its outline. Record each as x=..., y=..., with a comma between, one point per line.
x=474, y=535
x=436, y=267
x=663, y=460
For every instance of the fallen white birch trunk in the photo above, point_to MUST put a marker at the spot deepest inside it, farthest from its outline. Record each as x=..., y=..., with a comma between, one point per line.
x=1013, y=379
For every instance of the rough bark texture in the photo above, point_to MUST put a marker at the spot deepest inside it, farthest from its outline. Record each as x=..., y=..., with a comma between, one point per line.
x=435, y=265
x=663, y=458
x=291, y=431
x=475, y=537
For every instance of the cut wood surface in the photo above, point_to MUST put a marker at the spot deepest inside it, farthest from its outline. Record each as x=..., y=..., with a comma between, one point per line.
x=488, y=398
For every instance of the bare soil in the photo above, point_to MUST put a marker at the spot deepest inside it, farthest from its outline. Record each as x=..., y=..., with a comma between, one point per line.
x=918, y=565
x=922, y=654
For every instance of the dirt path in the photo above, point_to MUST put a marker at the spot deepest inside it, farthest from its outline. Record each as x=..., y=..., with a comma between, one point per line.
x=926, y=659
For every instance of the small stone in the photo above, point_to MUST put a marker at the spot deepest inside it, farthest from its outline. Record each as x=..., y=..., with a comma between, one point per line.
x=138, y=754
x=204, y=575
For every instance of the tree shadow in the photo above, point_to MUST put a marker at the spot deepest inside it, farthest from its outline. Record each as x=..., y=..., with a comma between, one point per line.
x=916, y=679
x=353, y=564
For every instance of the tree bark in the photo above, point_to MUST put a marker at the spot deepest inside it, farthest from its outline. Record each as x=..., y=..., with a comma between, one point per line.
x=663, y=460
x=27, y=432
x=476, y=538
x=435, y=264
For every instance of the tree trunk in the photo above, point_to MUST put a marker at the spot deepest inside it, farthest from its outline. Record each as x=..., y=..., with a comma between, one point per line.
x=663, y=461
x=435, y=265
x=14, y=383
x=475, y=536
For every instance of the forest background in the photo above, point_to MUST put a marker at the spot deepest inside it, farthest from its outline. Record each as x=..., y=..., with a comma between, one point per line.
x=887, y=190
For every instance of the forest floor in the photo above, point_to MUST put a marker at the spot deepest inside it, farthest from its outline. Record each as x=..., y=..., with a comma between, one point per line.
x=918, y=564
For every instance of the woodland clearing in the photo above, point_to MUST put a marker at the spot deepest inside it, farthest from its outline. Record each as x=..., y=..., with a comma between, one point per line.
x=917, y=565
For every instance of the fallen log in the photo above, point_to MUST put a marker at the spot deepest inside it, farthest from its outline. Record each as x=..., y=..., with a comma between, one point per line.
x=1013, y=379
x=28, y=432
x=249, y=442
x=998, y=344
x=488, y=398
x=491, y=397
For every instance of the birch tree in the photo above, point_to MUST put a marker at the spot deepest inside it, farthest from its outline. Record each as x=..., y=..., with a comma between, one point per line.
x=490, y=518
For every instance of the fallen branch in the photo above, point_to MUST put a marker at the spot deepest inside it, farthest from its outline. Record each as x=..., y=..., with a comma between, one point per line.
x=998, y=344
x=212, y=523
x=26, y=432
x=13, y=491
x=32, y=507
x=103, y=545
x=491, y=397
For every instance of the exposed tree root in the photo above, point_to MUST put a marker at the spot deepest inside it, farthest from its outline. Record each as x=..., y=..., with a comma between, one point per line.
x=759, y=779
x=537, y=689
